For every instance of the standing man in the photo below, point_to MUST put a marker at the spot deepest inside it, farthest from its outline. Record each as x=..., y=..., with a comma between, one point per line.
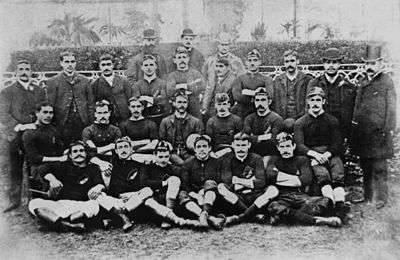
x=71, y=97
x=196, y=57
x=374, y=123
x=263, y=125
x=134, y=71
x=317, y=135
x=223, y=51
x=340, y=93
x=222, y=83
x=153, y=89
x=177, y=127
x=186, y=78
x=113, y=88
x=290, y=88
x=18, y=103
x=243, y=87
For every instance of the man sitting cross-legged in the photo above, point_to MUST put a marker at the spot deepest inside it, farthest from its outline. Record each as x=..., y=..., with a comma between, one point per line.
x=200, y=177
x=223, y=126
x=71, y=184
x=292, y=174
x=126, y=193
x=317, y=135
x=245, y=174
x=162, y=177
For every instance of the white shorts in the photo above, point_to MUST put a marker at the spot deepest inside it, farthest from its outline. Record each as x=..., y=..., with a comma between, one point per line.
x=64, y=208
x=109, y=202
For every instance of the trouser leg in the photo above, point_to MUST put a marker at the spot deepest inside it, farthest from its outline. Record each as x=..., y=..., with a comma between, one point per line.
x=366, y=166
x=380, y=175
x=16, y=159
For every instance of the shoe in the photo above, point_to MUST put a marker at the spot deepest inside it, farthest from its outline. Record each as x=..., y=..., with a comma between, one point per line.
x=217, y=222
x=46, y=215
x=107, y=223
x=380, y=204
x=203, y=219
x=127, y=226
x=261, y=218
x=11, y=207
x=330, y=221
x=165, y=225
x=231, y=220
x=341, y=210
x=74, y=227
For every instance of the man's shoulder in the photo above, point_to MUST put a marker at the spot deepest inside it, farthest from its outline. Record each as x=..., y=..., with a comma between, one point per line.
x=302, y=119
x=331, y=118
x=193, y=118
x=251, y=117
x=275, y=116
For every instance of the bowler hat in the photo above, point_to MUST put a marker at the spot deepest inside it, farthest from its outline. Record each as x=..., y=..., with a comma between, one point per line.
x=263, y=91
x=315, y=91
x=188, y=32
x=221, y=97
x=332, y=54
x=374, y=53
x=149, y=34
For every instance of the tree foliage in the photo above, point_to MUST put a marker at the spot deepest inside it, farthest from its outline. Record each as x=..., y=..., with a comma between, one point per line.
x=260, y=32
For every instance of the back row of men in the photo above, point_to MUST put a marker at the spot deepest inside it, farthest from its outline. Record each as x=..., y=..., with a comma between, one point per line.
x=228, y=99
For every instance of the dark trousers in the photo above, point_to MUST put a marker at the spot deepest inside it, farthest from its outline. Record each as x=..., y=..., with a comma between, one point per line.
x=16, y=159
x=330, y=173
x=375, y=172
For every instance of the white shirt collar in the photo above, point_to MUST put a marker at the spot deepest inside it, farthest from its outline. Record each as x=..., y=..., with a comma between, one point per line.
x=26, y=85
x=265, y=113
x=149, y=79
x=178, y=115
x=109, y=79
x=292, y=77
x=316, y=115
x=331, y=79
x=136, y=119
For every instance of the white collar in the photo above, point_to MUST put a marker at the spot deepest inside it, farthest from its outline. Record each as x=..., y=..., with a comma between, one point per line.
x=316, y=115
x=149, y=79
x=242, y=160
x=331, y=79
x=178, y=115
x=292, y=77
x=26, y=85
x=109, y=79
x=266, y=112
x=253, y=73
x=136, y=119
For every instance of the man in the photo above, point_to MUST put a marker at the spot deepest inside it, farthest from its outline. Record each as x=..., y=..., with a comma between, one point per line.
x=244, y=180
x=243, y=87
x=71, y=184
x=138, y=128
x=113, y=88
x=153, y=89
x=18, y=102
x=126, y=192
x=162, y=177
x=290, y=88
x=374, y=122
x=224, y=78
x=185, y=77
x=200, y=177
x=317, y=135
x=133, y=71
x=340, y=93
x=223, y=51
x=101, y=135
x=71, y=97
x=292, y=174
x=224, y=125
x=196, y=57
x=177, y=127
x=263, y=125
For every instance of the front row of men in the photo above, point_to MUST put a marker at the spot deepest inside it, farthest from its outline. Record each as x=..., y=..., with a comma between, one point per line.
x=203, y=188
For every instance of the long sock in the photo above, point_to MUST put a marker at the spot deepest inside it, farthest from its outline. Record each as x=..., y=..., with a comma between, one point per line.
x=249, y=212
x=240, y=205
x=193, y=208
x=170, y=203
x=207, y=207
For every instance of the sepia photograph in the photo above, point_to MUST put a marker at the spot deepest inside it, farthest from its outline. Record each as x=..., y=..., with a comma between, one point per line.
x=200, y=129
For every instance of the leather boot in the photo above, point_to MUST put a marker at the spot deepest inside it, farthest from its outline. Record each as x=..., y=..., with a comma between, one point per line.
x=46, y=215
x=74, y=227
x=126, y=223
x=77, y=217
x=217, y=222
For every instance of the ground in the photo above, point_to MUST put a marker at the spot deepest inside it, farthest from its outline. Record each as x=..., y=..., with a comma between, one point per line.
x=371, y=234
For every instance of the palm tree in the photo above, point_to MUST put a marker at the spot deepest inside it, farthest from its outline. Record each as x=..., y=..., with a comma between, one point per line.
x=287, y=27
x=112, y=30
x=328, y=31
x=74, y=30
x=39, y=39
x=260, y=32
x=136, y=21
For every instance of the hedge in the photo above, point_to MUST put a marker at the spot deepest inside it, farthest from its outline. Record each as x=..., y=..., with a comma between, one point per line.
x=309, y=53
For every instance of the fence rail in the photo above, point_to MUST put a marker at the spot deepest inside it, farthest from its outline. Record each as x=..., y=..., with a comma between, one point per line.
x=352, y=72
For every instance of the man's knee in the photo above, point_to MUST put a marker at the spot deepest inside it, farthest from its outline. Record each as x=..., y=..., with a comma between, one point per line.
x=174, y=181
x=146, y=192
x=322, y=175
x=270, y=193
x=379, y=167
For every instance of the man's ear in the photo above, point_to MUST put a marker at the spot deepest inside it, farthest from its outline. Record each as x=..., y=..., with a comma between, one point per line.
x=323, y=101
x=294, y=145
x=269, y=101
x=249, y=144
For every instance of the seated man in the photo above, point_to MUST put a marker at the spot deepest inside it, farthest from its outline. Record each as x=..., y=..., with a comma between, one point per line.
x=244, y=180
x=200, y=177
x=177, y=127
x=126, y=192
x=139, y=129
x=162, y=177
x=263, y=125
x=223, y=126
x=292, y=174
x=71, y=183
x=317, y=135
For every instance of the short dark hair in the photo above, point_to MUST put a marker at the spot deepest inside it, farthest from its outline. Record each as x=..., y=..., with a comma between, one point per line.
x=106, y=56
x=241, y=136
x=223, y=61
x=149, y=57
x=124, y=139
x=290, y=53
x=202, y=138
x=43, y=104
x=283, y=137
x=102, y=103
x=75, y=143
x=135, y=98
x=66, y=53
x=162, y=146
x=23, y=61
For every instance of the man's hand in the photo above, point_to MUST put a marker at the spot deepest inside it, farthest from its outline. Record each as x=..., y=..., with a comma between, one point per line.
x=23, y=127
x=320, y=158
x=125, y=196
x=63, y=158
x=95, y=191
x=55, y=187
x=264, y=137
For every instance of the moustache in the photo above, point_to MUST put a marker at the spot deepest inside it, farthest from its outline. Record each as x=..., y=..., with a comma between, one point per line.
x=290, y=67
x=260, y=107
x=181, y=108
x=315, y=107
x=80, y=156
x=182, y=63
x=286, y=154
